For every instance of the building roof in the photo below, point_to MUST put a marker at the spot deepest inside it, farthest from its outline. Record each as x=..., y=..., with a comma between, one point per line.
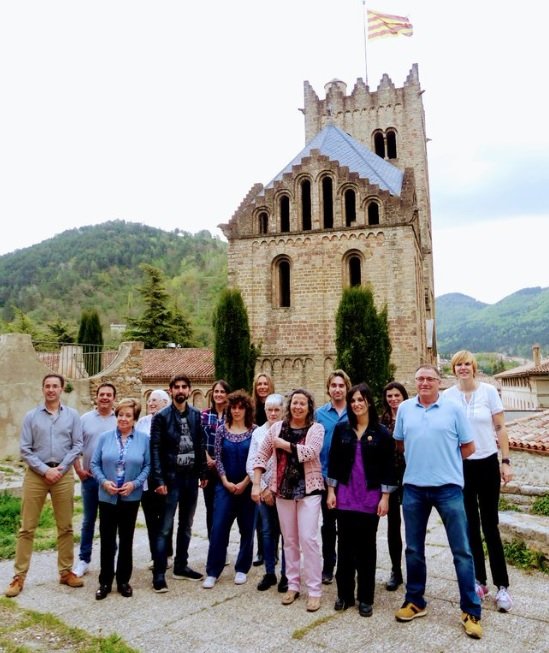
x=338, y=146
x=196, y=363
x=530, y=369
x=530, y=433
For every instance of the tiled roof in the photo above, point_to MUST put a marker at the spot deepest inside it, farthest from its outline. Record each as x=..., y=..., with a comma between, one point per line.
x=526, y=370
x=530, y=433
x=196, y=363
x=338, y=146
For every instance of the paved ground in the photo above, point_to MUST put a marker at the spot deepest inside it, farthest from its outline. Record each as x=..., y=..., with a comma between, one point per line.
x=231, y=618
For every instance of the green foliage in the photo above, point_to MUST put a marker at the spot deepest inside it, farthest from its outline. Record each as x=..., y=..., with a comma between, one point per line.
x=161, y=322
x=362, y=339
x=541, y=506
x=99, y=267
x=510, y=326
x=235, y=355
x=62, y=332
x=90, y=336
x=519, y=555
x=505, y=504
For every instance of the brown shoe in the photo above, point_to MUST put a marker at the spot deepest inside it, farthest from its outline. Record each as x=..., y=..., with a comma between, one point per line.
x=71, y=579
x=313, y=603
x=15, y=587
x=290, y=597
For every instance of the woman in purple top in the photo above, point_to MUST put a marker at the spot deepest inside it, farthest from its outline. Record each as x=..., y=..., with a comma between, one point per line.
x=360, y=478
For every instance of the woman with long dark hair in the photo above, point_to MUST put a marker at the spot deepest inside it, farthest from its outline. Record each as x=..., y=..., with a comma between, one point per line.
x=232, y=493
x=394, y=394
x=360, y=479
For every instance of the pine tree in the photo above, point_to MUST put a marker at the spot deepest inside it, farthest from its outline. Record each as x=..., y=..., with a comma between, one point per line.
x=363, y=345
x=90, y=336
x=161, y=323
x=235, y=355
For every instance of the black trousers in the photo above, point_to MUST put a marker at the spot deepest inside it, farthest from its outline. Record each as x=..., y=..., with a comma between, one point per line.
x=153, y=509
x=481, y=498
x=394, y=536
x=117, y=519
x=356, y=555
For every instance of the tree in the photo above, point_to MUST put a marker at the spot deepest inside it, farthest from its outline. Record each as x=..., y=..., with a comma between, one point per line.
x=90, y=336
x=161, y=322
x=235, y=355
x=362, y=339
x=62, y=332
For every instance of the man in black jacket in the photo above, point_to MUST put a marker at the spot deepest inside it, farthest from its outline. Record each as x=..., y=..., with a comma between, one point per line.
x=178, y=467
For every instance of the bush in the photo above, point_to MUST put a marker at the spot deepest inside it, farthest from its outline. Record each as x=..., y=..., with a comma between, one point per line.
x=519, y=555
x=541, y=506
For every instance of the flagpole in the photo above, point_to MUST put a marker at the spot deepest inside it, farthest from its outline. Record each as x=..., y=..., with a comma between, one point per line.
x=365, y=41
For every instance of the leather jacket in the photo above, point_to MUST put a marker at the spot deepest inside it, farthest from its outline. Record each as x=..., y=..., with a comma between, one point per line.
x=165, y=436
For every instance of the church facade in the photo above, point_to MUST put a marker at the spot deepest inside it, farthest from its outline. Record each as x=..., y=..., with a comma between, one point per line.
x=352, y=208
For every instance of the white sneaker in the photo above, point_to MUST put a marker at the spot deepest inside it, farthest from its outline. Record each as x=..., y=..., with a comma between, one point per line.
x=240, y=578
x=503, y=600
x=209, y=582
x=481, y=590
x=81, y=568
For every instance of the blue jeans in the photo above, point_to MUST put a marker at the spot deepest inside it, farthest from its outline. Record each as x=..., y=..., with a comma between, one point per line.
x=183, y=494
x=448, y=501
x=90, y=503
x=227, y=508
x=270, y=531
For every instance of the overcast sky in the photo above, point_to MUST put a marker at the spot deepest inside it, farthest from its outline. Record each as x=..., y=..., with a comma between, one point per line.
x=167, y=113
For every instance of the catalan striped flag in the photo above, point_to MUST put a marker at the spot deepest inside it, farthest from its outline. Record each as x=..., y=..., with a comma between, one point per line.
x=383, y=25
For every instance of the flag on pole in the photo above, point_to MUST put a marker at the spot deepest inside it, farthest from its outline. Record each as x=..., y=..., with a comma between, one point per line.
x=383, y=25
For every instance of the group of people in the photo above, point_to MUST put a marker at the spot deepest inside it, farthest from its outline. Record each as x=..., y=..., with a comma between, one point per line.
x=280, y=459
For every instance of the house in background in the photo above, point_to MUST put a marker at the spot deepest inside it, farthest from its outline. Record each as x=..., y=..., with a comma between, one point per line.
x=526, y=387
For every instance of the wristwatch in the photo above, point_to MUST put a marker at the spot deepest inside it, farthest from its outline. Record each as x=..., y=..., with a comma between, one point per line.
x=506, y=461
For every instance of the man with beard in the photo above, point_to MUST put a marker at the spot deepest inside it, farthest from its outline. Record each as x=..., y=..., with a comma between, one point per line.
x=178, y=464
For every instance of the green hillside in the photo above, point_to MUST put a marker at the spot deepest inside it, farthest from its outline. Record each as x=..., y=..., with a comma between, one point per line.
x=510, y=326
x=98, y=267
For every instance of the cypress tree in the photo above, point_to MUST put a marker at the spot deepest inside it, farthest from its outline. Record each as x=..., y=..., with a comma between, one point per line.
x=235, y=355
x=90, y=336
x=363, y=345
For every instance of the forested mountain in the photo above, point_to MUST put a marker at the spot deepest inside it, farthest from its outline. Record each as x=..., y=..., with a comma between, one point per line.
x=99, y=267
x=510, y=326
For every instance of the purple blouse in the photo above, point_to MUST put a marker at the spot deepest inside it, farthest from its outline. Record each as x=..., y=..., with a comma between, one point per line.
x=355, y=494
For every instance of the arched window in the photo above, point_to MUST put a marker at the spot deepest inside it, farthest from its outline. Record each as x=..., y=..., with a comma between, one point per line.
x=379, y=144
x=327, y=203
x=350, y=207
x=355, y=271
x=391, y=144
x=284, y=213
x=373, y=213
x=263, y=219
x=282, y=283
x=306, y=217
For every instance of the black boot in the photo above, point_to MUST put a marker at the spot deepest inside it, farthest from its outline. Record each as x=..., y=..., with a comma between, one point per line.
x=394, y=581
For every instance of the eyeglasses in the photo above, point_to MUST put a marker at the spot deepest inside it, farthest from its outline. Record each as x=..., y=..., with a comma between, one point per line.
x=426, y=379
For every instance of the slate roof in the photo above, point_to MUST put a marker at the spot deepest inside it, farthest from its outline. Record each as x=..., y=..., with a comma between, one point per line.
x=196, y=363
x=530, y=433
x=338, y=146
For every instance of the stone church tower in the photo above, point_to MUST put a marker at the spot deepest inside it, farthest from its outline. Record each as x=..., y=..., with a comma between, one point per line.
x=352, y=208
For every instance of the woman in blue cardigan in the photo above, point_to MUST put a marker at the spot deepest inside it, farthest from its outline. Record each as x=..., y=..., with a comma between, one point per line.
x=120, y=464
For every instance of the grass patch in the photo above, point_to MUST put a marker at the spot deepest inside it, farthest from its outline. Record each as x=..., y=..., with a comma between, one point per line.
x=45, y=537
x=519, y=555
x=541, y=506
x=27, y=630
x=300, y=633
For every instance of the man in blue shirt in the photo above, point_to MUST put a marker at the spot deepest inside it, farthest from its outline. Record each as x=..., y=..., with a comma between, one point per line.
x=435, y=436
x=330, y=414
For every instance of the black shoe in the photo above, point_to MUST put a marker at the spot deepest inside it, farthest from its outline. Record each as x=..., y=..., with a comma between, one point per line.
x=187, y=574
x=327, y=578
x=159, y=585
x=394, y=581
x=258, y=561
x=102, y=592
x=342, y=604
x=126, y=590
x=365, y=609
x=283, y=585
x=267, y=581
